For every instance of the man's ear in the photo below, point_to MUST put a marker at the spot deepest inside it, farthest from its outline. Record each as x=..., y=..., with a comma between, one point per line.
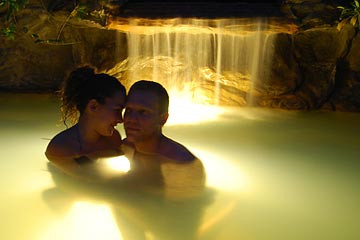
x=92, y=105
x=163, y=118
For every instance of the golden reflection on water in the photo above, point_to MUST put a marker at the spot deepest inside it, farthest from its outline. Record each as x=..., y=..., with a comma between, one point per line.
x=222, y=174
x=118, y=163
x=85, y=220
x=212, y=220
x=183, y=110
x=37, y=181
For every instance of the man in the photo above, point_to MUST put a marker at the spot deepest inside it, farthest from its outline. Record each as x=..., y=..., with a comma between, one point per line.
x=145, y=114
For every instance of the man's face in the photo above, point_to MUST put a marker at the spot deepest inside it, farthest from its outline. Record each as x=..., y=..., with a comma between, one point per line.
x=142, y=118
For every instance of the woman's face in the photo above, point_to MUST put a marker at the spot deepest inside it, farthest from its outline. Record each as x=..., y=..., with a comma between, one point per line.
x=110, y=114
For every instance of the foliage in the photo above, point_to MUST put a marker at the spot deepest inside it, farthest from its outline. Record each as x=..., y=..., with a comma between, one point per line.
x=12, y=7
x=9, y=32
x=350, y=15
x=82, y=11
x=79, y=11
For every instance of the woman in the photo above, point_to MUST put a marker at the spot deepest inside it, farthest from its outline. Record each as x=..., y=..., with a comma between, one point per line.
x=94, y=103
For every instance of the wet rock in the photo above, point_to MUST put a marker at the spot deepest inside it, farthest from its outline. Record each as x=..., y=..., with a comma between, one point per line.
x=317, y=67
x=312, y=13
x=29, y=66
x=346, y=97
x=39, y=58
x=317, y=52
x=283, y=75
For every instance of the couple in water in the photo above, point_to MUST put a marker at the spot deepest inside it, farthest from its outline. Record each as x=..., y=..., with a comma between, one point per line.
x=161, y=169
x=94, y=102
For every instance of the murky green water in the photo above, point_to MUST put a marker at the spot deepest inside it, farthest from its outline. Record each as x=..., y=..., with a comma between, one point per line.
x=271, y=175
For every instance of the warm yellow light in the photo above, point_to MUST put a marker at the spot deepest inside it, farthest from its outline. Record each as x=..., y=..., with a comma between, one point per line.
x=241, y=26
x=38, y=181
x=214, y=219
x=118, y=163
x=183, y=110
x=85, y=221
x=222, y=174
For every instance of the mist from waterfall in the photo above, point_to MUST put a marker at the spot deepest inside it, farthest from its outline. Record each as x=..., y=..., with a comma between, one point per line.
x=210, y=61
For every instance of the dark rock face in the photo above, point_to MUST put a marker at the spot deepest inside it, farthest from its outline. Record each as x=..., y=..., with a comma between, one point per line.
x=346, y=97
x=283, y=77
x=317, y=52
x=97, y=47
x=317, y=67
x=312, y=69
x=313, y=13
x=30, y=66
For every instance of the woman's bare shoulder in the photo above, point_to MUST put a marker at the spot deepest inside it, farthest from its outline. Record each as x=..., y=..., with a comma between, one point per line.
x=64, y=144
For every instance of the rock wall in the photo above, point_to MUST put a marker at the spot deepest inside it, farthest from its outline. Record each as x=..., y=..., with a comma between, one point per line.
x=320, y=71
x=40, y=64
x=328, y=59
x=317, y=67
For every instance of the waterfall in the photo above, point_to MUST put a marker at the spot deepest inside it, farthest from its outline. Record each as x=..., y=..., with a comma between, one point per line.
x=210, y=61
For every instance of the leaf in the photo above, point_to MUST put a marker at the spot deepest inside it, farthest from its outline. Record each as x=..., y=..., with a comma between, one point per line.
x=9, y=32
x=341, y=25
x=22, y=2
x=338, y=27
x=356, y=3
x=74, y=12
x=353, y=20
x=81, y=12
x=12, y=27
x=11, y=36
x=15, y=6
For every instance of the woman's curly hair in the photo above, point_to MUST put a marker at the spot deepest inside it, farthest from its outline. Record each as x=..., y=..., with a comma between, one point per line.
x=82, y=85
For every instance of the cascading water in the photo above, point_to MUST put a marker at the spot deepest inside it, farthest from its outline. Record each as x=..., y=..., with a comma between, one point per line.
x=214, y=62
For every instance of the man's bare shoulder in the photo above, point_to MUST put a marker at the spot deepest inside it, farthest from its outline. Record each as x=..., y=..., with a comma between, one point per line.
x=176, y=151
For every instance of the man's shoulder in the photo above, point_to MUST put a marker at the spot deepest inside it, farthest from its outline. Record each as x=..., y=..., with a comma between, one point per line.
x=176, y=151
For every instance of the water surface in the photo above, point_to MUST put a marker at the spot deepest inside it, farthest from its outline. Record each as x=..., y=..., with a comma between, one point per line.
x=272, y=174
